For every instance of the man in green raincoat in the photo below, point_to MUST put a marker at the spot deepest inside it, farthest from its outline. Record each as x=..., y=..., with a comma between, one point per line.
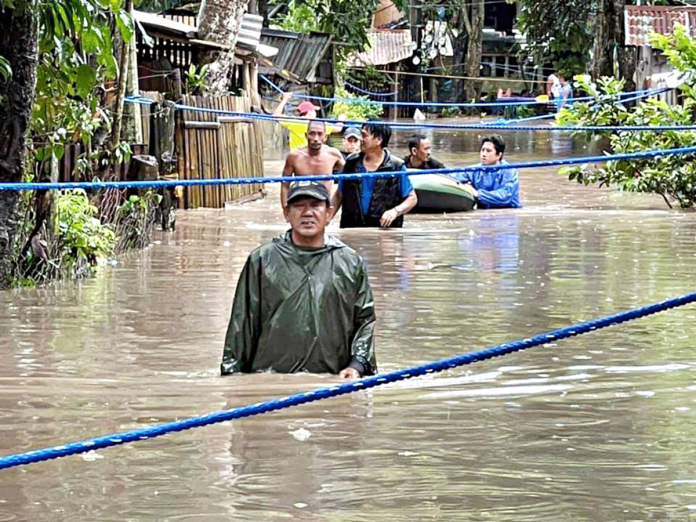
x=303, y=301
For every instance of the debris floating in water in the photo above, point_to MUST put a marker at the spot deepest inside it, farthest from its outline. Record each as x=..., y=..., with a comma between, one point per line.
x=301, y=434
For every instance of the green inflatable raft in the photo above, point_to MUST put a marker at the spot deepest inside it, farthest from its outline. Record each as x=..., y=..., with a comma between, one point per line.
x=440, y=193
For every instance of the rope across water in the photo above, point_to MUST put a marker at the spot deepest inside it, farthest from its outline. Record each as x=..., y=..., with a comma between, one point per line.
x=507, y=125
x=511, y=103
x=285, y=179
x=116, y=439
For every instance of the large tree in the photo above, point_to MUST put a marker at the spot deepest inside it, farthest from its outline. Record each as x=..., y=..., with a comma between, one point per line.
x=567, y=32
x=468, y=44
x=219, y=21
x=347, y=20
x=558, y=32
x=18, y=46
x=611, y=56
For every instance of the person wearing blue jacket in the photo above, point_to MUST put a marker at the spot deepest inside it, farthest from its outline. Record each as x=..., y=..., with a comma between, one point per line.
x=493, y=188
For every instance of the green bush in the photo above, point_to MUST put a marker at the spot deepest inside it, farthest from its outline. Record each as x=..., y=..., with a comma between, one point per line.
x=81, y=240
x=448, y=112
x=673, y=177
x=358, y=111
x=135, y=219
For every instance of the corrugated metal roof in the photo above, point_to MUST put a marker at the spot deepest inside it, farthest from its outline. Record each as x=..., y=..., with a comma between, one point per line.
x=641, y=20
x=165, y=25
x=387, y=46
x=185, y=27
x=298, y=53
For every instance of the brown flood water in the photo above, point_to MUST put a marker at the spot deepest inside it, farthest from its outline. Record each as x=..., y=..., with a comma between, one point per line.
x=600, y=427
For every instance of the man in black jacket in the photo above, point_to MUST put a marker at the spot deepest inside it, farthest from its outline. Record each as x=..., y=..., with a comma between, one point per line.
x=370, y=201
x=419, y=157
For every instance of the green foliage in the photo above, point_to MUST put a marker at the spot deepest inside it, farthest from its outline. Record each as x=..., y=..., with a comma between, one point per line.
x=195, y=79
x=357, y=111
x=347, y=20
x=680, y=50
x=134, y=220
x=525, y=111
x=83, y=241
x=299, y=18
x=673, y=177
x=603, y=109
x=374, y=79
x=5, y=69
x=156, y=6
x=448, y=112
x=76, y=59
x=558, y=31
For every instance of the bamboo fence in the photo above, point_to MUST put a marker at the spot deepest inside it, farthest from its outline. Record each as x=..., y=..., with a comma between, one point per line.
x=213, y=146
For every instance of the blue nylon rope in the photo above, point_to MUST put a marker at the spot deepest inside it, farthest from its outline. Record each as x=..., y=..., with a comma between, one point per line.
x=465, y=104
x=641, y=94
x=287, y=179
x=464, y=126
x=273, y=85
x=269, y=117
x=517, y=121
x=369, y=93
x=551, y=116
x=646, y=92
x=73, y=448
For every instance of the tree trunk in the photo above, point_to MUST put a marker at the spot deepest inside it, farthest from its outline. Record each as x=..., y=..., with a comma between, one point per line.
x=132, y=120
x=474, y=50
x=121, y=85
x=626, y=55
x=219, y=21
x=460, y=45
x=18, y=44
x=609, y=43
x=467, y=48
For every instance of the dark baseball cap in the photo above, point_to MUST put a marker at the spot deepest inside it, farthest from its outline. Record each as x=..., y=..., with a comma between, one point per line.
x=313, y=189
x=352, y=132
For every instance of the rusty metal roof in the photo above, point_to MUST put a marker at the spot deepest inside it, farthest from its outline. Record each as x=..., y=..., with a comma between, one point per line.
x=641, y=20
x=298, y=53
x=387, y=46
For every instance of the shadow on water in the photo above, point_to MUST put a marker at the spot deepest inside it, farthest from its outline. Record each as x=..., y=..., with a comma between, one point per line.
x=600, y=427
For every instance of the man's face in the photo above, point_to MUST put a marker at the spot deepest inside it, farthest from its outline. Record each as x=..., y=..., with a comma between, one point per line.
x=369, y=142
x=489, y=156
x=423, y=150
x=307, y=216
x=351, y=145
x=316, y=136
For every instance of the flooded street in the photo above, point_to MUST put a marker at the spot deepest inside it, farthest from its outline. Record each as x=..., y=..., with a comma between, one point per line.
x=600, y=427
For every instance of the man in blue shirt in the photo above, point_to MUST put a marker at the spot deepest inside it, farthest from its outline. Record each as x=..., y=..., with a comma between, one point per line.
x=493, y=188
x=369, y=201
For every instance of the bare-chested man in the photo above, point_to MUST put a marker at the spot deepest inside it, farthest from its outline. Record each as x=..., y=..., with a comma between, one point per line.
x=316, y=159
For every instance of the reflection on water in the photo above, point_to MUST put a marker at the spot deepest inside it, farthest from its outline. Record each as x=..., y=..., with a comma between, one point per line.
x=600, y=427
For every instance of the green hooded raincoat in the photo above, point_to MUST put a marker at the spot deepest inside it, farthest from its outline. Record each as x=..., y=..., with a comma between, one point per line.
x=301, y=310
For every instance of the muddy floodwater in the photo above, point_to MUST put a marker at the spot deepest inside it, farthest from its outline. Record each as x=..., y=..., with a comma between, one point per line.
x=601, y=427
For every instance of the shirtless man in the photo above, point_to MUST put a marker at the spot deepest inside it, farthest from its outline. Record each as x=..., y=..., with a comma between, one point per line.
x=316, y=159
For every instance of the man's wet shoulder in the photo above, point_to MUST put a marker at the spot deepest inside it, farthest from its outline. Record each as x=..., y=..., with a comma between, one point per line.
x=345, y=251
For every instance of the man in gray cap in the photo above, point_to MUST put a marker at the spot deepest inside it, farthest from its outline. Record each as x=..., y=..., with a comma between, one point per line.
x=303, y=301
x=352, y=138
